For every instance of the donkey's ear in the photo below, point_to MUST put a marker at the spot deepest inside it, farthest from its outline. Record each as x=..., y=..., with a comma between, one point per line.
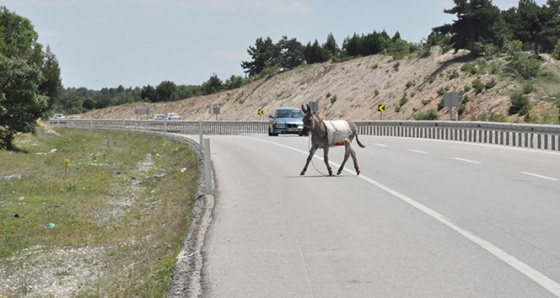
x=308, y=108
x=303, y=109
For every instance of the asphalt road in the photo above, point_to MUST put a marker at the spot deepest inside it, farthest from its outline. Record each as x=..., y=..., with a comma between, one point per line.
x=424, y=219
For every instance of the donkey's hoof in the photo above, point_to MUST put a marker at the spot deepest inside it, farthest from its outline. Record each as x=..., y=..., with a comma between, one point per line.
x=302, y=173
x=358, y=172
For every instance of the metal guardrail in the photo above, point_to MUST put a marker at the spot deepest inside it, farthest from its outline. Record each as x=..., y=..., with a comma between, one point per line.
x=545, y=137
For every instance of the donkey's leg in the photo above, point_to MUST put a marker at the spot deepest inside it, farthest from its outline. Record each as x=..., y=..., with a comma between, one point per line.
x=346, y=155
x=311, y=153
x=356, y=166
x=326, y=159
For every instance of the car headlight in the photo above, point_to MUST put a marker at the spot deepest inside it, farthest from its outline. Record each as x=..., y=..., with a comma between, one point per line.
x=280, y=125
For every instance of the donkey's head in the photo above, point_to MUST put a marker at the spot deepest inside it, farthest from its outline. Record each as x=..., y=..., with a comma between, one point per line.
x=308, y=119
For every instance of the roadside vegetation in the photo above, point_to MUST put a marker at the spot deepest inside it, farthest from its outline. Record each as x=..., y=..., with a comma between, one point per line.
x=93, y=213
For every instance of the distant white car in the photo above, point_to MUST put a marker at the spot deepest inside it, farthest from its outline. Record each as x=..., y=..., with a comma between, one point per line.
x=173, y=116
x=58, y=116
x=159, y=117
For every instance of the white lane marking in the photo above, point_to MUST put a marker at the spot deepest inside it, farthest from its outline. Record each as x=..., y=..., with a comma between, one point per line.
x=539, y=176
x=380, y=145
x=533, y=274
x=417, y=151
x=507, y=258
x=466, y=160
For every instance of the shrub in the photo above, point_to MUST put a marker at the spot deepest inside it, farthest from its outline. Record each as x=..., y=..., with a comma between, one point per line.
x=469, y=68
x=490, y=85
x=426, y=101
x=485, y=49
x=520, y=64
x=403, y=100
x=431, y=79
x=453, y=74
x=440, y=105
x=528, y=88
x=519, y=104
x=478, y=86
x=430, y=114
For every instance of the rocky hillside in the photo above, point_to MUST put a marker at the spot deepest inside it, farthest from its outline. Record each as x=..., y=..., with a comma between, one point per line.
x=353, y=90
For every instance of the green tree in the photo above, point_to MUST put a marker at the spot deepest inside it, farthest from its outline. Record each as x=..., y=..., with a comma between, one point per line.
x=188, y=91
x=290, y=53
x=18, y=38
x=477, y=21
x=331, y=46
x=165, y=91
x=88, y=104
x=234, y=82
x=520, y=64
x=21, y=102
x=529, y=24
x=52, y=84
x=29, y=79
x=213, y=85
x=314, y=53
x=264, y=54
x=352, y=46
x=365, y=45
x=148, y=93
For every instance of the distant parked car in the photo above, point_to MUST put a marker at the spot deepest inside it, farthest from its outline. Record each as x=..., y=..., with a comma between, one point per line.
x=285, y=121
x=173, y=116
x=159, y=117
x=58, y=116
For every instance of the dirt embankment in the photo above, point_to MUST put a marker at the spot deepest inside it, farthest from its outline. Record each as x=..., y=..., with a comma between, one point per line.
x=348, y=90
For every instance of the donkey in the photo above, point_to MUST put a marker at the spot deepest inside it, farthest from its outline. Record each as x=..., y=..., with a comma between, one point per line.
x=326, y=134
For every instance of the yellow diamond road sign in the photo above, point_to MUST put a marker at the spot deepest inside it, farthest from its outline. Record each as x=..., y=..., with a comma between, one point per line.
x=260, y=112
x=381, y=108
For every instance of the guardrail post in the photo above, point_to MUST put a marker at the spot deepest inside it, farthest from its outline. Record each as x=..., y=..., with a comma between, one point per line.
x=207, y=167
x=200, y=133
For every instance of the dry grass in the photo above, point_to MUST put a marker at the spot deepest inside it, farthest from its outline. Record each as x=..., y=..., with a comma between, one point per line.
x=120, y=210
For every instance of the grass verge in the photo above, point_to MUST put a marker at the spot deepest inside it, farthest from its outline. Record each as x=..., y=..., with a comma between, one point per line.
x=93, y=213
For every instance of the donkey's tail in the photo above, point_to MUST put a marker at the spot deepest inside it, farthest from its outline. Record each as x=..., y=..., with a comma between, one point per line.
x=359, y=143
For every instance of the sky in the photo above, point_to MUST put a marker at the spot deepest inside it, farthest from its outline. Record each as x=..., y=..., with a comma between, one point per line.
x=135, y=43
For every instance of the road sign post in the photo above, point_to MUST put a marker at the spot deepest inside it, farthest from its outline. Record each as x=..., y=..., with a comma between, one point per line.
x=450, y=100
x=381, y=109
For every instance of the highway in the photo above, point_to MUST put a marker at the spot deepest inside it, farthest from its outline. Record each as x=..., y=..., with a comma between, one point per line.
x=423, y=219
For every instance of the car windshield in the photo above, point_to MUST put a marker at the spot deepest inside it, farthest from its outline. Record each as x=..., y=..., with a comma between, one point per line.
x=289, y=114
